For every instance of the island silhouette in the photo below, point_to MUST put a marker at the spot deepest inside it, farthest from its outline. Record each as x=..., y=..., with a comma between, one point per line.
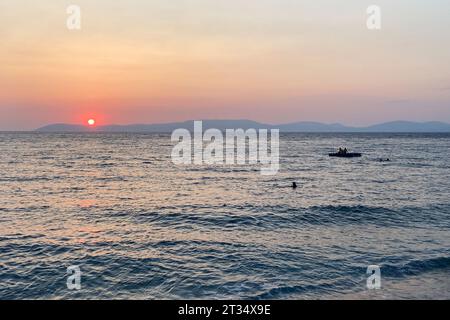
x=305, y=126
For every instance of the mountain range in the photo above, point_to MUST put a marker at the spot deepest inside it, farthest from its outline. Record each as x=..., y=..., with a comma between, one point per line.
x=394, y=126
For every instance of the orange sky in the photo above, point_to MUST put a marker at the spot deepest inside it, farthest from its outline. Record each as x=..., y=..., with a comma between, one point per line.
x=267, y=60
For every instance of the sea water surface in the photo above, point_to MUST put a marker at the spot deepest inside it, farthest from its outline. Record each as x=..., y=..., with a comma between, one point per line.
x=140, y=227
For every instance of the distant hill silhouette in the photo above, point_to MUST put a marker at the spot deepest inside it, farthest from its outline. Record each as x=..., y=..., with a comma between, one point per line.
x=395, y=126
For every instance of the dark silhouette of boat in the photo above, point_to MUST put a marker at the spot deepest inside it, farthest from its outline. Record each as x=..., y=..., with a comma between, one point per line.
x=345, y=155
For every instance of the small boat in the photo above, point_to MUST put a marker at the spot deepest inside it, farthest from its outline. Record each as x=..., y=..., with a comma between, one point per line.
x=345, y=155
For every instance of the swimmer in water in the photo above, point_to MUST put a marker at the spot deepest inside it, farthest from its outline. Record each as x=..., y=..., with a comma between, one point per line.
x=294, y=185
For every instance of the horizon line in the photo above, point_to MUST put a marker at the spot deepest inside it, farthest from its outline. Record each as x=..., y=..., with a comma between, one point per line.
x=246, y=119
x=80, y=125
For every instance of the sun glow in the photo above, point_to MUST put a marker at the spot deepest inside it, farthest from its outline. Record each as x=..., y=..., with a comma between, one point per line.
x=91, y=122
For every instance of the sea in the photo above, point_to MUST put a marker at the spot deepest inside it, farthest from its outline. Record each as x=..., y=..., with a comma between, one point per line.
x=136, y=226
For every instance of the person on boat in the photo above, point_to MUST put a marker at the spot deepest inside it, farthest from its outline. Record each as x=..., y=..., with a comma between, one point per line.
x=345, y=150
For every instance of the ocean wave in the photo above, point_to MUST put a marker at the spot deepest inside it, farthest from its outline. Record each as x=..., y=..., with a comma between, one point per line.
x=286, y=292
x=416, y=267
x=269, y=217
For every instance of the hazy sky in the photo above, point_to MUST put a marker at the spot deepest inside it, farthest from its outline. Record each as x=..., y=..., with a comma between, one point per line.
x=147, y=61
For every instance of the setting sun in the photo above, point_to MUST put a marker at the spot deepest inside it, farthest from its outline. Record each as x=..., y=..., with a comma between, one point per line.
x=91, y=122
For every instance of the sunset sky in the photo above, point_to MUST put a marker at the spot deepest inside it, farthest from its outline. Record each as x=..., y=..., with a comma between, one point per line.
x=136, y=61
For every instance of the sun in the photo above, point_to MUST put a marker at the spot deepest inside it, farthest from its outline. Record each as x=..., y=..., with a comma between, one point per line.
x=91, y=122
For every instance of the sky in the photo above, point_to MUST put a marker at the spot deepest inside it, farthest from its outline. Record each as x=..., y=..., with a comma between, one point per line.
x=274, y=61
